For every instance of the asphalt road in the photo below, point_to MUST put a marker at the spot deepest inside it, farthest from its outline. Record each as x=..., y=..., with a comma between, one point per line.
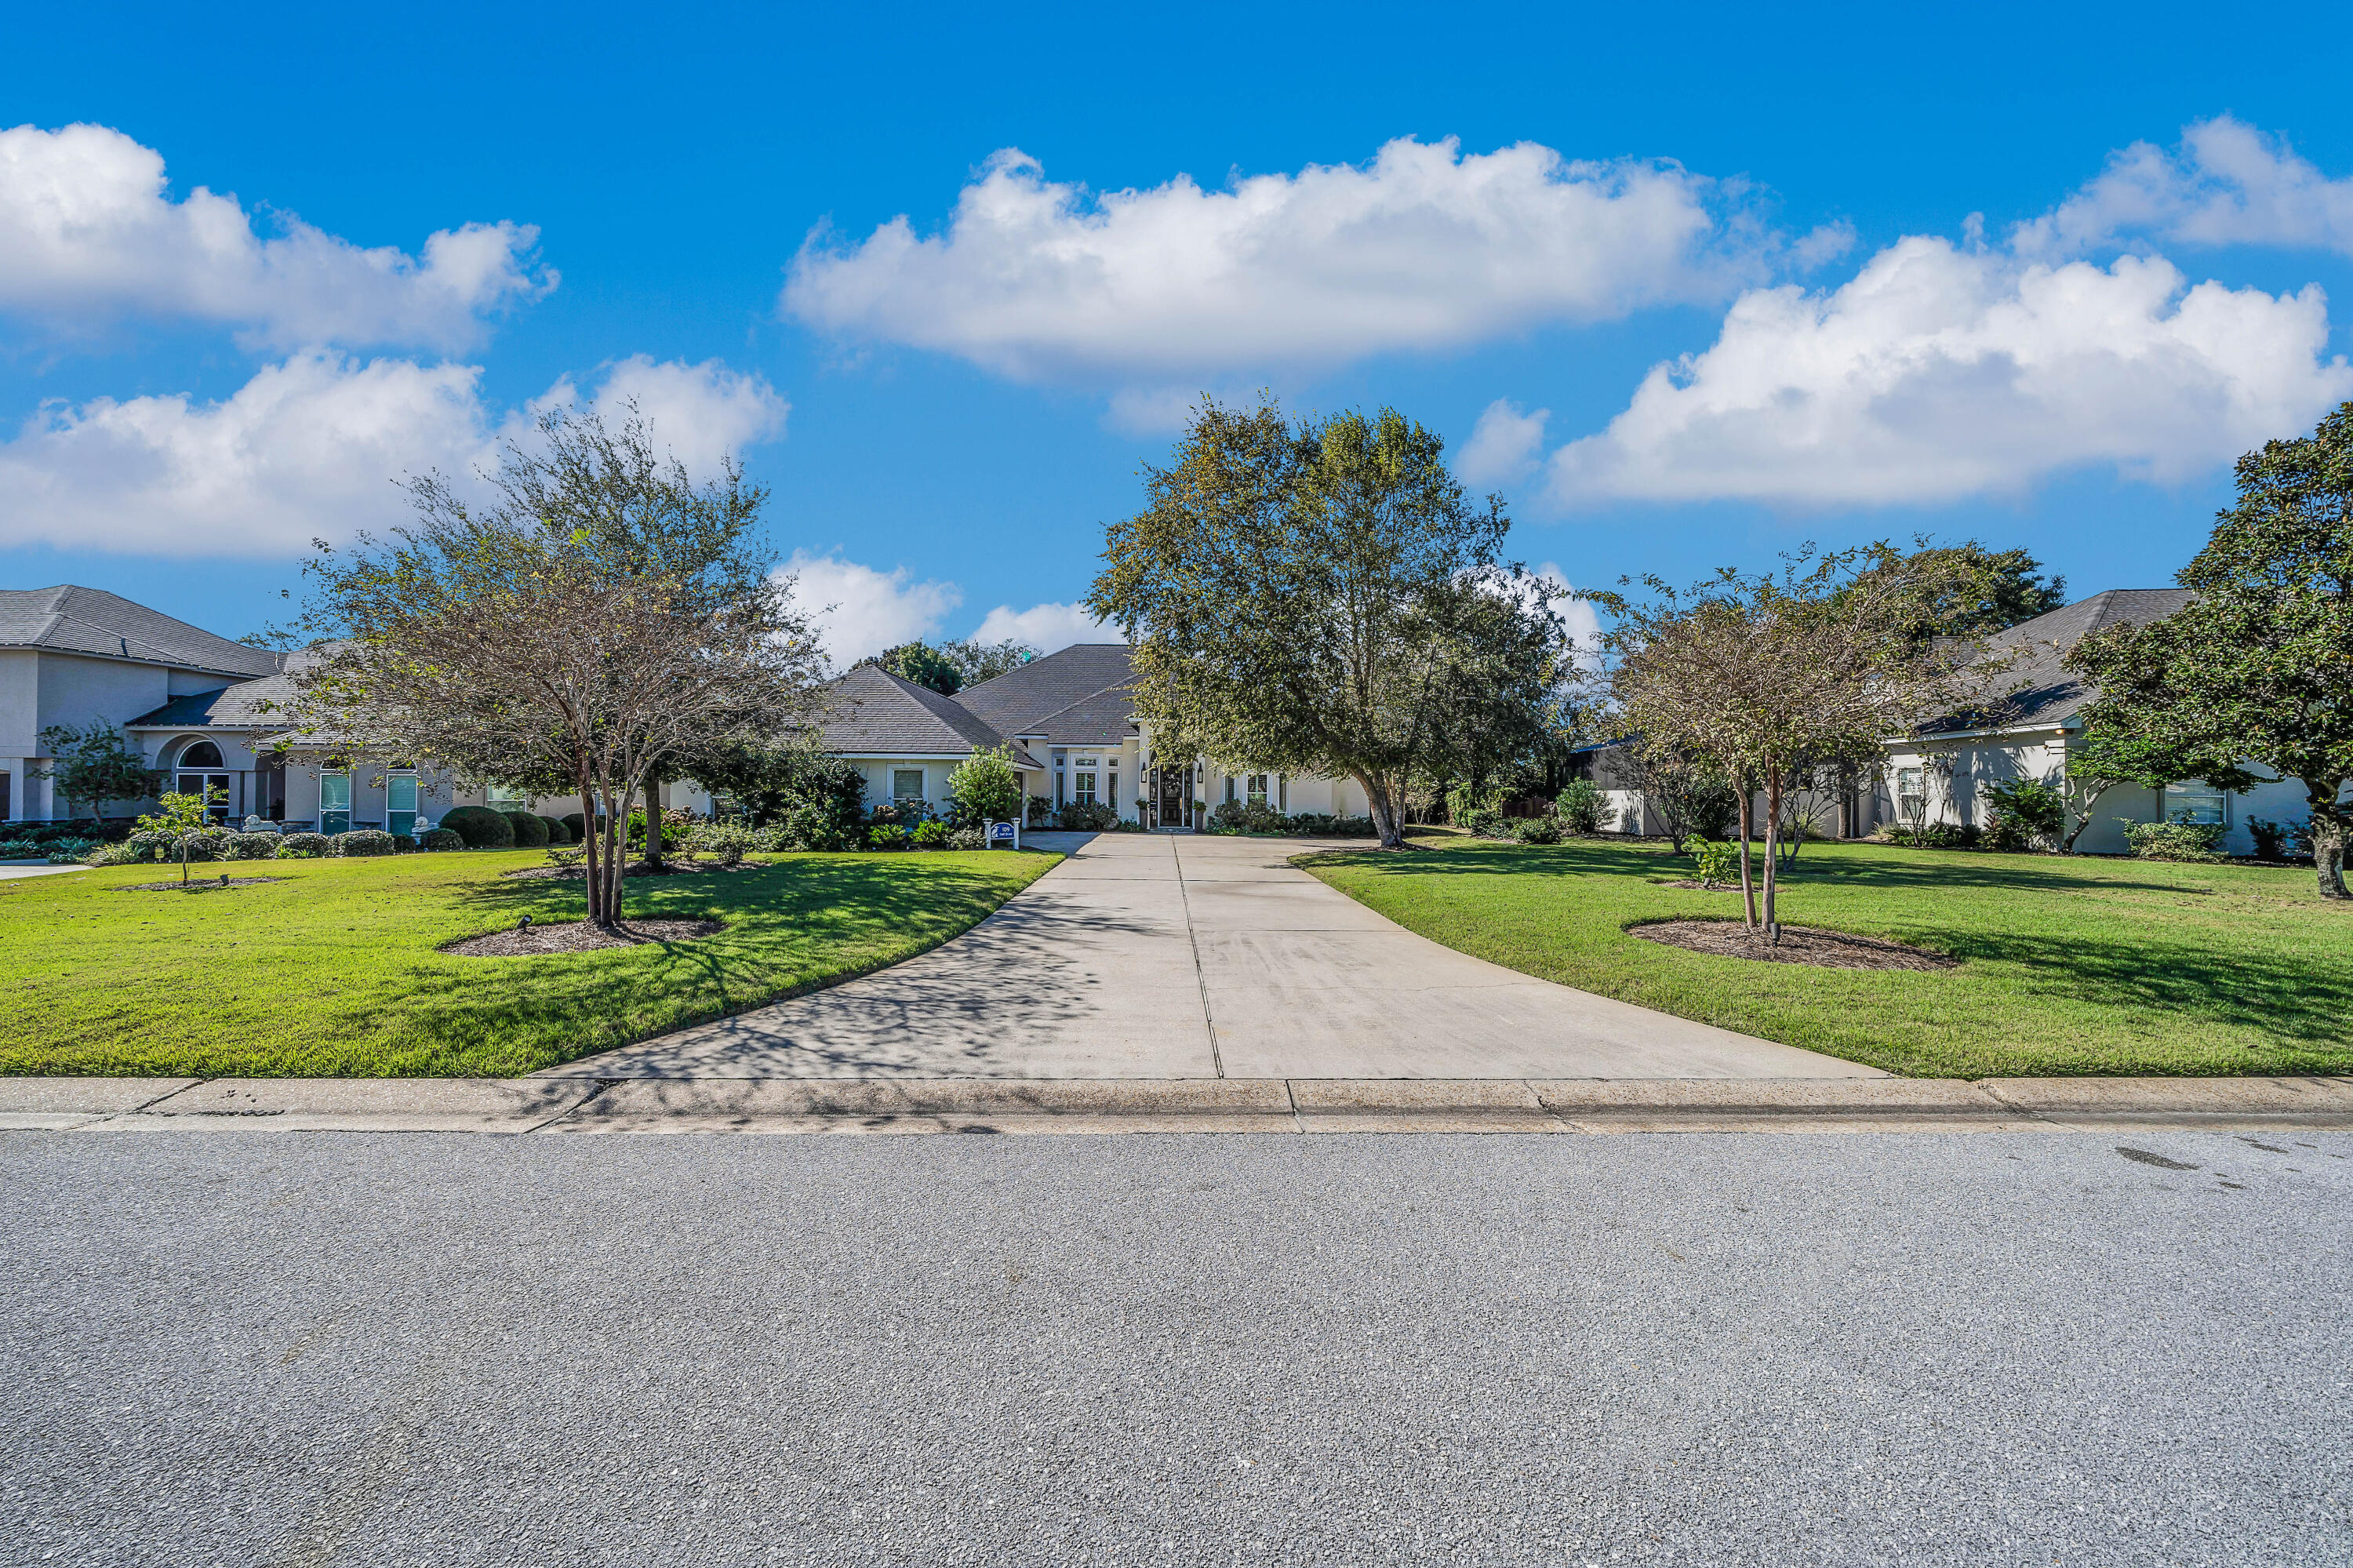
x=288, y=1349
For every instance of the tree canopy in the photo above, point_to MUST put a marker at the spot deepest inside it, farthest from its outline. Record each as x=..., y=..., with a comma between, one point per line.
x=599, y=618
x=2252, y=680
x=1321, y=596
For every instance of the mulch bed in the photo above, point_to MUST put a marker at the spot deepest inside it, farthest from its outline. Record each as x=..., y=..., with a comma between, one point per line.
x=1798, y=945
x=578, y=937
x=635, y=868
x=197, y=885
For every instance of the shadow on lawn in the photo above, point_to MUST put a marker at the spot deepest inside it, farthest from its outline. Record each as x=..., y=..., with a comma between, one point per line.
x=2015, y=872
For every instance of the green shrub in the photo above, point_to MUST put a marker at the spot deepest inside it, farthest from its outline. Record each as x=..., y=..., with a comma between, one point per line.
x=1717, y=862
x=887, y=836
x=1539, y=830
x=530, y=832
x=2174, y=841
x=69, y=851
x=149, y=846
x=2025, y=808
x=1488, y=823
x=1089, y=816
x=253, y=846
x=480, y=827
x=722, y=837
x=403, y=844
x=2271, y=838
x=1316, y=824
x=444, y=838
x=361, y=841
x=557, y=834
x=1583, y=809
x=985, y=787
x=577, y=825
x=968, y=838
x=931, y=835
x=1041, y=813
x=304, y=846
x=2007, y=834
x=111, y=854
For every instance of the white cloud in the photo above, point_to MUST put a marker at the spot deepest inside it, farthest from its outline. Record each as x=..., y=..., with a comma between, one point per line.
x=1045, y=626
x=1422, y=249
x=1584, y=622
x=861, y=611
x=89, y=234
x=1504, y=445
x=1939, y=373
x=307, y=448
x=701, y=413
x=2227, y=184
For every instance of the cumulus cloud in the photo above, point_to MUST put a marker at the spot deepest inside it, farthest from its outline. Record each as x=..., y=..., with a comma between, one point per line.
x=88, y=233
x=2226, y=184
x=859, y=611
x=1504, y=445
x=309, y=447
x=1045, y=626
x=1583, y=622
x=1940, y=373
x=702, y=413
x=1422, y=249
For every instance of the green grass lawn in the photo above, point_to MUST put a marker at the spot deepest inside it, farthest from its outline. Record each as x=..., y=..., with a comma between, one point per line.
x=2069, y=965
x=334, y=972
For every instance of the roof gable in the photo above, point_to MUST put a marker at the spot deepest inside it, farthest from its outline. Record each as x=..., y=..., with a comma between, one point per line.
x=2049, y=693
x=871, y=712
x=1092, y=675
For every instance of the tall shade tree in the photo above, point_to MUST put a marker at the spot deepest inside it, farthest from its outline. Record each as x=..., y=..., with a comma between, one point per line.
x=1322, y=596
x=601, y=619
x=922, y=664
x=1772, y=677
x=2252, y=682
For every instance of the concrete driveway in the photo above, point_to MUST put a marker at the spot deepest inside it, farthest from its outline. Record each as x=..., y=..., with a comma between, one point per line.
x=1168, y=956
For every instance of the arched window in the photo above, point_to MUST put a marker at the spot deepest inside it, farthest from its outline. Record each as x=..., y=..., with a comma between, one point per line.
x=201, y=754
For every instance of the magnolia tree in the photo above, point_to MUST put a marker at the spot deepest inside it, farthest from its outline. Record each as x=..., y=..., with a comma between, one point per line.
x=1767, y=677
x=2252, y=682
x=1322, y=596
x=600, y=620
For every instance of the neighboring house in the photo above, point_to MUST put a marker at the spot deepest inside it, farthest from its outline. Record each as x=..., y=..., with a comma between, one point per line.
x=1937, y=774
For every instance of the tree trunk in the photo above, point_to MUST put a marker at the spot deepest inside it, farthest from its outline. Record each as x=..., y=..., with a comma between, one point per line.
x=1772, y=850
x=2329, y=843
x=1377, y=801
x=653, y=820
x=2067, y=845
x=1748, y=887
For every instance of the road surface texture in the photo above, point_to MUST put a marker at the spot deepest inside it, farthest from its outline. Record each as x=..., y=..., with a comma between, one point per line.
x=1184, y=956
x=1708, y=1349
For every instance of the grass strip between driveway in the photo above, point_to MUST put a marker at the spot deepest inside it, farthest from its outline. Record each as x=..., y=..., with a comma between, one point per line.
x=2069, y=965
x=333, y=971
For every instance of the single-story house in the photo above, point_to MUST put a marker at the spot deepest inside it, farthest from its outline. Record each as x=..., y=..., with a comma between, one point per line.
x=1937, y=774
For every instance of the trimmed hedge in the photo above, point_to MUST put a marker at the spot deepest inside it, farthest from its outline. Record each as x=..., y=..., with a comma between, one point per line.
x=577, y=826
x=304, y=846
x=530, y=832
x=480, y=827
x=444, y=838
x=557, y=834
x=364, y=841
x=252, y=846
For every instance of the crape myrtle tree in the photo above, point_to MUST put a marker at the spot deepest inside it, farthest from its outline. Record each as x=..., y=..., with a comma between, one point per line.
x=600, y=619
x=1320, y=596
x=1765, y=677
x=2252, y=682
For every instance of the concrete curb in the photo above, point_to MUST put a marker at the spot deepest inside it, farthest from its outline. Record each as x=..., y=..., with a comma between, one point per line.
x=574, y=1106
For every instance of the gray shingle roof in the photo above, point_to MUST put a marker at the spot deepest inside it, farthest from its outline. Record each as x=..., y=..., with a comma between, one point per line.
x=1078, y=696
x=871, y=713
x=69, y=620
x=231, y=707
x=2052, y=694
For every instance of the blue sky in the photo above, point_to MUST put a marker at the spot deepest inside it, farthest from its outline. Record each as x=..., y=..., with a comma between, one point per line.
x=2025, y=276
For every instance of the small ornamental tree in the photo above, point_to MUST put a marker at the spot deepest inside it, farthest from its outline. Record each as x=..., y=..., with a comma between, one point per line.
x=1766, y=677
x=985, y=788
x=2252, y=682
x=94, y=765
x=181, y=819
x=1322, y=596
x=600, y=620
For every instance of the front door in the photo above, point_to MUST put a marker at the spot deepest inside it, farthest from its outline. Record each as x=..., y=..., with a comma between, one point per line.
x=1172, y=803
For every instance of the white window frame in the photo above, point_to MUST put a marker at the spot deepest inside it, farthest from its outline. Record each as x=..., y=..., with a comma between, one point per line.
x=899, y=775
x=2198, y=797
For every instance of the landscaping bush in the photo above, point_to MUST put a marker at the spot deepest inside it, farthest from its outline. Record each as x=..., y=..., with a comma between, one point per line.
x=1318, y=825
x=69, y=851
x=1936, y=836
x=1041, y=812
x=1088, y=817
x=577, y=825
x=810, y=825
x=361, y=841
x=930, y=835
x=480, y=827
x=887, y=836
x=968, y=838
x=149, y=846
x=1539, y=830
x=2025, y=810
x=985, y=787
x=445, y=838
x=2174, y=841
x=1488, y=823
x=722, y=837
x=2271, y=838
x=557, y=834
x=530, y=832
x=1716, y=862
x=2009, y=835
x=1583, y=809
x=304, y=846
x=253, y=846
x=212, y=844
x=110, y=855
